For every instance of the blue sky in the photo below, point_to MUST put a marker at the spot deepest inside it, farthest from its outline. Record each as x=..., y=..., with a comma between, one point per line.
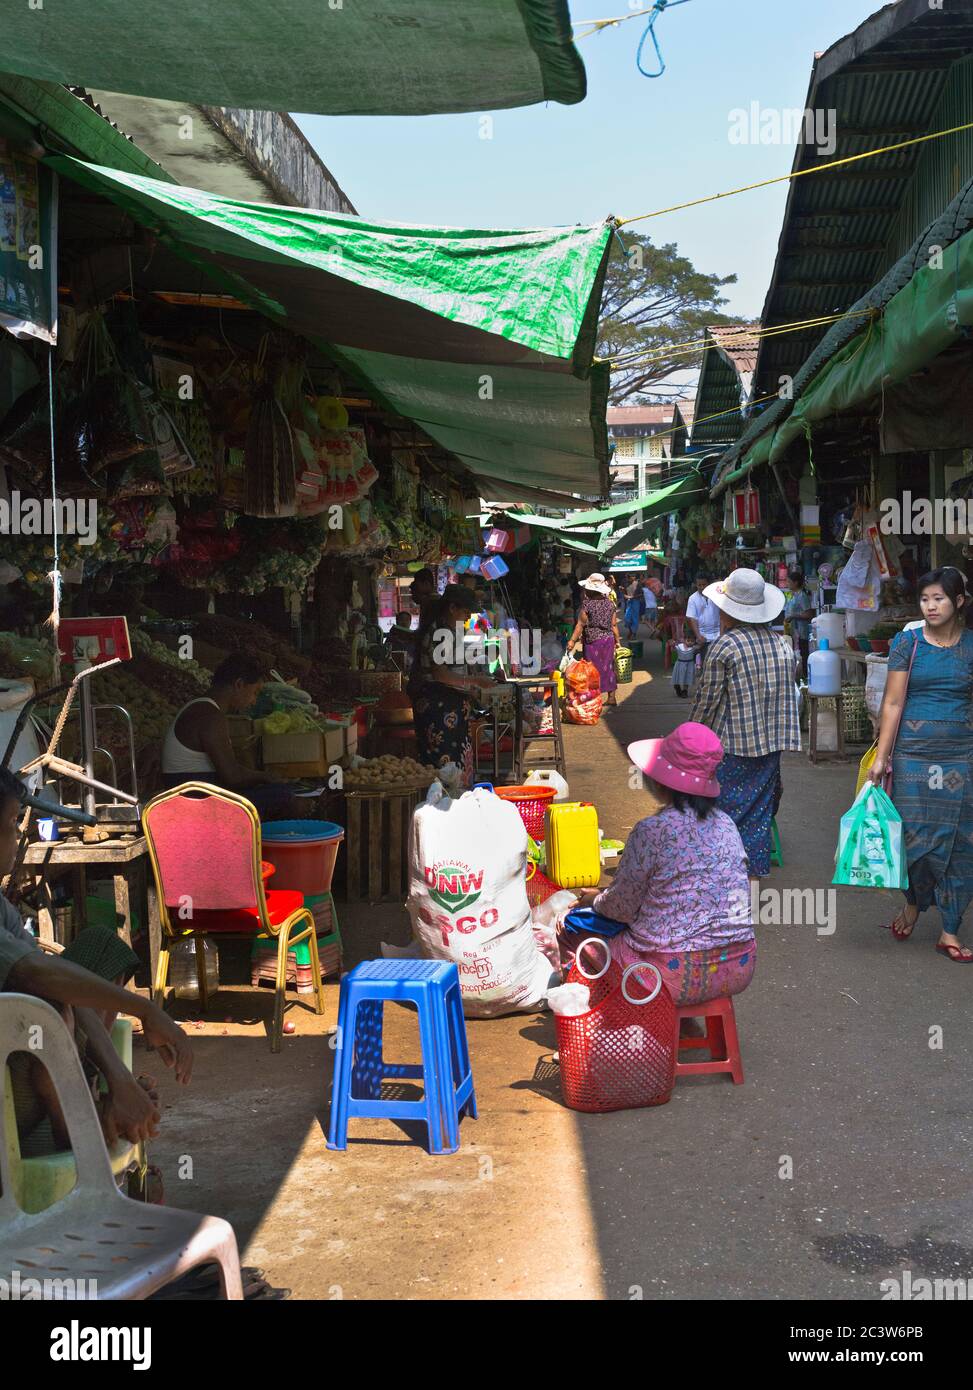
x=632, y=146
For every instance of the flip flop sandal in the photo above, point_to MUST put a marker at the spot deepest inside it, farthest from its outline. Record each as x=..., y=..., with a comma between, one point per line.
x=204, y=1283
x=958, y=958
x=903, y=933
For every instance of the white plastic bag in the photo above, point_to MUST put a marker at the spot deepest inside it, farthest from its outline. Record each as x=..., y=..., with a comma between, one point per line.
x=468, y=902
x=877, y=668
x=569, y=1000
x=859, y=583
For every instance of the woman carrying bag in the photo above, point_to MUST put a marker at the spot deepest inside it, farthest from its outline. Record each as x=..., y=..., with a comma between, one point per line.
x=597, y=629
x=926, y=742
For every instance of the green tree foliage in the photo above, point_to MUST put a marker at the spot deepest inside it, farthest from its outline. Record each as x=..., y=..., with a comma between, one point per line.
x=654, y=300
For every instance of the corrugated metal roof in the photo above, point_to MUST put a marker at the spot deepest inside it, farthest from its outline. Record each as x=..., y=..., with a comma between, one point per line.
x=903, y=72
x=724, y=386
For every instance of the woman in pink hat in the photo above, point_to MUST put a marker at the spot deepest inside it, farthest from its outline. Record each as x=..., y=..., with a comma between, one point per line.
x=681, y=886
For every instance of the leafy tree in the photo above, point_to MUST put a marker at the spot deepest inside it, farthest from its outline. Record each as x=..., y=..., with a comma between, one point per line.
x=654, y=300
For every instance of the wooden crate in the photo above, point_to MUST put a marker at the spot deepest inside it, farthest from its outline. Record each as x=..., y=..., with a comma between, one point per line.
x=378, y=825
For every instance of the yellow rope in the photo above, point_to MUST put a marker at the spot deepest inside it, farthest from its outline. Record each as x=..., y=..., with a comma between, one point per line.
x=703, y=419
x=598, y=24
x=797, y=174
x=701, y=345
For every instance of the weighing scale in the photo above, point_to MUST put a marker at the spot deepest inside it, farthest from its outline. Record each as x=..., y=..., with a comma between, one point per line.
x=89, y=645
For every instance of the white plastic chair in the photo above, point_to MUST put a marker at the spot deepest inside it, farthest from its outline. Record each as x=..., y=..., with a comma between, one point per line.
x=95, y=1233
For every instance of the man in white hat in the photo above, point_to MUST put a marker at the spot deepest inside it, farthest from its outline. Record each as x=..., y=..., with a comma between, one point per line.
x=747, y=696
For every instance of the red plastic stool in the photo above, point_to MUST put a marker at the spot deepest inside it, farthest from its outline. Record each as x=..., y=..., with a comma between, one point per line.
x=721, y=1039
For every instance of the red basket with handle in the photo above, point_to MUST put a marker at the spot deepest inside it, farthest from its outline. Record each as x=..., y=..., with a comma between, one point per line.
x=621, y=1054
x=539, y=886
x=532, y=803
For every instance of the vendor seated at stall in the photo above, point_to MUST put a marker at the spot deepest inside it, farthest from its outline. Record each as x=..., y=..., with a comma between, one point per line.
x=681, y=886
x=86, y=984
x=197, y=747
x=400, y=644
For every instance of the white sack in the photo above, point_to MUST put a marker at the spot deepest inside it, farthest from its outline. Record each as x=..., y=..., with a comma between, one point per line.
x=468, y=902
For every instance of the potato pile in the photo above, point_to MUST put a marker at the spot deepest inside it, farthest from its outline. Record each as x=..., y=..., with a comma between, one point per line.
x=380, y=772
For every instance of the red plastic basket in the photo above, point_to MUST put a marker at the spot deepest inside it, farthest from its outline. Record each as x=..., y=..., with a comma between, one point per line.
x=621, y=1054
x=532, y=803
x=539, y=886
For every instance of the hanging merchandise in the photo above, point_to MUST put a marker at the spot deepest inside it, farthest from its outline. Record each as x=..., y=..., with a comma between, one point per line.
x=494, y=567
x=497, y=541
x=886, y=548
x=859, y=583
x=268, y=458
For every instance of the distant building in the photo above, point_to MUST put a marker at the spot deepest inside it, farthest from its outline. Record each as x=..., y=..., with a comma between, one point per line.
x=646, y=438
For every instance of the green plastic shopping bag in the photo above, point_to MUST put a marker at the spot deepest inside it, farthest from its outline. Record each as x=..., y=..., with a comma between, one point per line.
x=871, y=846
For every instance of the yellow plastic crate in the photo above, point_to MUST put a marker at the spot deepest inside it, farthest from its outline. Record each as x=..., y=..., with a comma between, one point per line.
x=573, y=845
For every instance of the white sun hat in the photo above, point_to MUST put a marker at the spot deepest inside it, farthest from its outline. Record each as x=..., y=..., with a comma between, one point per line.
x=744, y=595
x=598, y=584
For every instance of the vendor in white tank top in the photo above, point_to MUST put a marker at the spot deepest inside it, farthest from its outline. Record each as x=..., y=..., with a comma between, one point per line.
x=197, y=747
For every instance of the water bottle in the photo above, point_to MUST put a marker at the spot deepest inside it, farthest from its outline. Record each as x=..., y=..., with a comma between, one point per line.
x=182, y=967
x=824, y=671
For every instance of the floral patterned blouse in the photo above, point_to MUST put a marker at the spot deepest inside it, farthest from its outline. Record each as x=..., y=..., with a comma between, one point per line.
x=681, y=883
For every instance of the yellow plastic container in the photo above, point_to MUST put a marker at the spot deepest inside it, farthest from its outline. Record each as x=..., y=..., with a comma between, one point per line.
x=573, y=845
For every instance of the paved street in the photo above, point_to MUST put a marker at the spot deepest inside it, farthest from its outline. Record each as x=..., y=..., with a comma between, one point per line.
x=681, y=1201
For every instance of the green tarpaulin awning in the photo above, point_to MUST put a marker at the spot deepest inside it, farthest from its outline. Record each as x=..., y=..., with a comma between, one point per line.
x=693, y=487
x=484, y=338
x=655, y=502
x=362, y=57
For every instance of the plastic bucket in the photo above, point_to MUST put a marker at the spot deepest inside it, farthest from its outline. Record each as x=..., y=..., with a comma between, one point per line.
x=303, y=853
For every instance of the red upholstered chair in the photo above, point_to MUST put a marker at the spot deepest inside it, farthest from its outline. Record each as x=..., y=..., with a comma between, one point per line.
x=204, y=844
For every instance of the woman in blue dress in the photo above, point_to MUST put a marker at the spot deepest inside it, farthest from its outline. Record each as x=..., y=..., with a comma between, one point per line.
x=931, y=706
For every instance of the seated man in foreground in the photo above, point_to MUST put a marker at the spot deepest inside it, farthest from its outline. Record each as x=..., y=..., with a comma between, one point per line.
x=86, y=985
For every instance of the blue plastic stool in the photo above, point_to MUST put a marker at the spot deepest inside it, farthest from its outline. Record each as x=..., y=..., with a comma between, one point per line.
x=775, y=852
x=359, y=1068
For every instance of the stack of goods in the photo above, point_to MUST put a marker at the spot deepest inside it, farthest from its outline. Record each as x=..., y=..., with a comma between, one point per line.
x=375, y=774
x=297, y=741
x=263, y=952
x=584, y=701
x=154, y=660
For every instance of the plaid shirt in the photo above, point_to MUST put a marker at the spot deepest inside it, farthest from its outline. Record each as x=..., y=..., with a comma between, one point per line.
x=747, y=694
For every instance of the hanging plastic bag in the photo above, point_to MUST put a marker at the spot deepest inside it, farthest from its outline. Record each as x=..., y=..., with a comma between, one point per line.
x=871, y=847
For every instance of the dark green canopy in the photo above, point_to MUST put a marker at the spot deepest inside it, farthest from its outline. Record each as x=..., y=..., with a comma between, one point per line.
x=483, y=338
x=332, y=57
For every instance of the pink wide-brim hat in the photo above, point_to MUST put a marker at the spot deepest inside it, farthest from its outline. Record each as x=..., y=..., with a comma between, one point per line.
x=685, y=760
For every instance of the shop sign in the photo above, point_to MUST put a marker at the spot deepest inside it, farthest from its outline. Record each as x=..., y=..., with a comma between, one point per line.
x=28, y=246
x=634, y=560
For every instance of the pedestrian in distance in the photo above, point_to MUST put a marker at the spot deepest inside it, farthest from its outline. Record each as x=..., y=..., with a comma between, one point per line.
x=926, y=741
x=597, y=631
x=634, y=607
x=747, y=696
x=702, y=616
x=799, y=610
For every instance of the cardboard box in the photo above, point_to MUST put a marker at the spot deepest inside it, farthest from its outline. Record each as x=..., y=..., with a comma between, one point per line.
x=302, y=755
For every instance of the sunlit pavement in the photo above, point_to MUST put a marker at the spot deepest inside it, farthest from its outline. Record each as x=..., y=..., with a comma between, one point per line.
x=839, y=1163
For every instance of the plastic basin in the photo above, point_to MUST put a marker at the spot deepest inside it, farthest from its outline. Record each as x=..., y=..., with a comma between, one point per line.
x=303, y=853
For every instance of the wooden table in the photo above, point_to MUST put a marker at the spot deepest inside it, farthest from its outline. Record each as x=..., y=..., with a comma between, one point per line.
x=129, y=864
